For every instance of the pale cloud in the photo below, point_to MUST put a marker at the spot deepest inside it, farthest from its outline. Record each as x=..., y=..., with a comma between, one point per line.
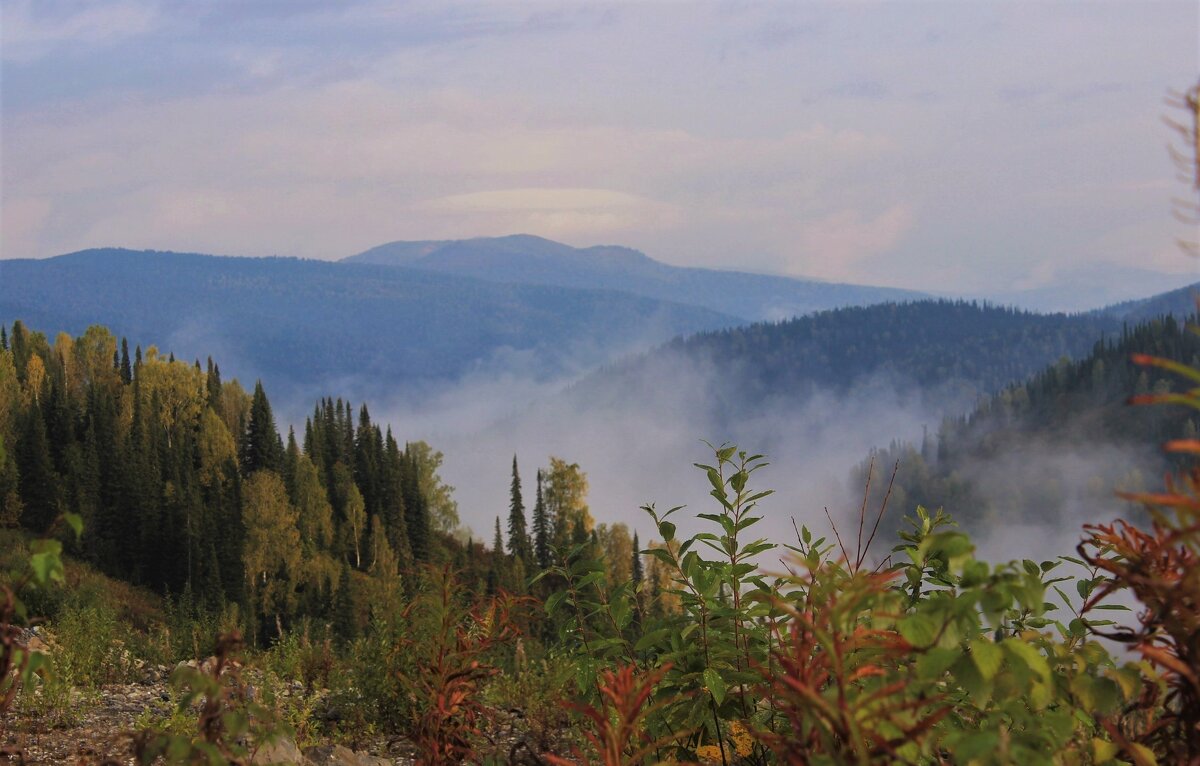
x=337, y=168
x=556, y=212
x=542, y=200
x=902, y=143
x=22, y=222
x=835, y=245
x=31, y=29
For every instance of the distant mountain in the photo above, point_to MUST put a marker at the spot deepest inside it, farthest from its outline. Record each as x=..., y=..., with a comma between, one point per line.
x=1180, y=303
x=950, y=351
x=300, y=323
x=524, y=259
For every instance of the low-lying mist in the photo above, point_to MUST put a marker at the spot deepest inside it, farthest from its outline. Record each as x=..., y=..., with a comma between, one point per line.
x=637, y=439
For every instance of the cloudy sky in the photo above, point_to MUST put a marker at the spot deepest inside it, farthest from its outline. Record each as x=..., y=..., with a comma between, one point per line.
x=956, y=145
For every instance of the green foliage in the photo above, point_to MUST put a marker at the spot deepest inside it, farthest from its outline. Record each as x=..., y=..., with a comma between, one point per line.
x=937, y=656
x=230, y=728
x=22, y=665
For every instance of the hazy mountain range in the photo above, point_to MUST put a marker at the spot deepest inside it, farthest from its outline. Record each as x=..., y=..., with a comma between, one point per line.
x=525, y=259
x=408, y=315
x=300, y=323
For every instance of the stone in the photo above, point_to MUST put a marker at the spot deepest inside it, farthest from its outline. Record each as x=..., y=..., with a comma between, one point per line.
x=281, y=752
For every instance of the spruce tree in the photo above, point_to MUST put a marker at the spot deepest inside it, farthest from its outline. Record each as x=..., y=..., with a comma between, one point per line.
x=261, y=446
x=498, y=541
x=416, y=512
x=19, y=341
x=518, y=533
x=126, y=369
x=496, y=571
x=392, y=491
x=541, y=529
x=345, y=622
x=212, y=384
x=291, y=458
x=636, y=566
x=38, y=481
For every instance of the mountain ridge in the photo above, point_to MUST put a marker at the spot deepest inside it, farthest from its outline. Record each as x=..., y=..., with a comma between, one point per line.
x=332, y=319
x=529, y=259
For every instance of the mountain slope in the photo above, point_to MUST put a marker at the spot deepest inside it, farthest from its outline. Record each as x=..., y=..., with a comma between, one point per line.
x=1180, y=303
x=951, y=352
x=525, y=259
x=1052, y=448
x=297, y=323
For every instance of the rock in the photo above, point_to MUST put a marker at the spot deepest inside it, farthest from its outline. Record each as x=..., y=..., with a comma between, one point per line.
x=281, y=752
x=34, y=639
x=337, y=755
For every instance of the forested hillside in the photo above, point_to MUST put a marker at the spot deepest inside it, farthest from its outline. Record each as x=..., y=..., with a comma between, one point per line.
x=185, y=486
x=949, y=352
x=525, y=259
x=306, y=326
x=1059, y=441
x=1181, y=302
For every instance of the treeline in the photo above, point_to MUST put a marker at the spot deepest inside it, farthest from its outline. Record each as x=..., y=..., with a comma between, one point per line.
x=1015, y=436
x=186, y=486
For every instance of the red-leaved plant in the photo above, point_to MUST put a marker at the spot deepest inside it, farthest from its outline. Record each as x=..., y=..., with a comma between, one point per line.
x=444, y=682
x=617, y=729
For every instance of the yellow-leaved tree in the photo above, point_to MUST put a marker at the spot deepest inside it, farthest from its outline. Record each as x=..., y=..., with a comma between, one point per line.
x=272, y=547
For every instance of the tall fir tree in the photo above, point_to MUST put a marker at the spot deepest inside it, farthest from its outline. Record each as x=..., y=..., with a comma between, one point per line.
x=212, y=384
x=392, y=491
x=638, y=573
x=416, y=511
x=496, y=571
x=38, y=481
x=541, y=529
x=262, y=448
x=518, y=532
x=126, y=367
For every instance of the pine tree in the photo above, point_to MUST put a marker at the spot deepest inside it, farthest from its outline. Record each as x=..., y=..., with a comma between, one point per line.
x=518, y=534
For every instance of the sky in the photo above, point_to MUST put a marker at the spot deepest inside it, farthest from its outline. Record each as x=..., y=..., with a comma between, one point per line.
x=954, y=146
